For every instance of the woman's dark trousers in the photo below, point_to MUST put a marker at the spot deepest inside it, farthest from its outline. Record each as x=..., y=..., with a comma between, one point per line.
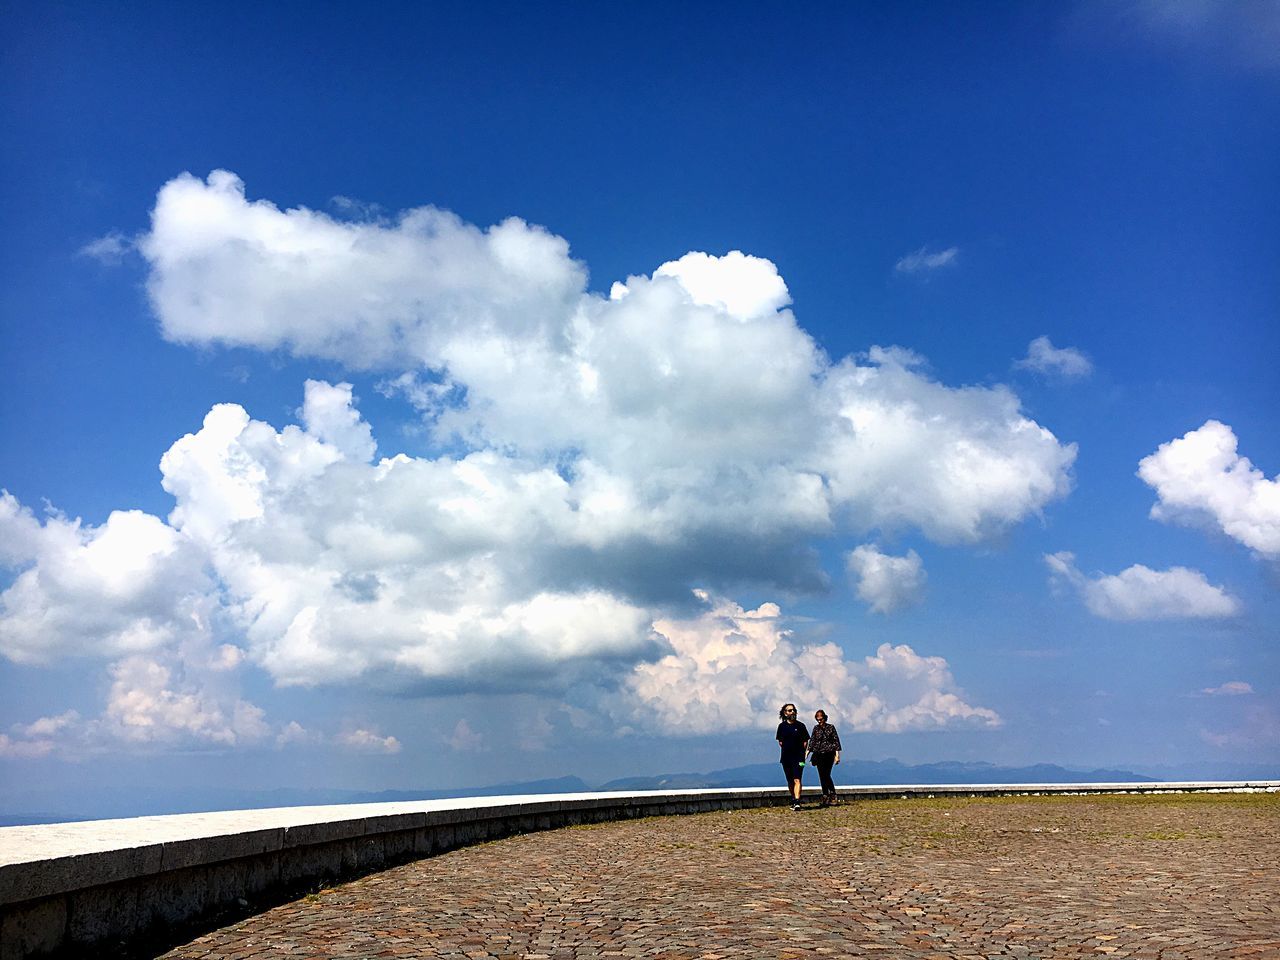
x=823, y=762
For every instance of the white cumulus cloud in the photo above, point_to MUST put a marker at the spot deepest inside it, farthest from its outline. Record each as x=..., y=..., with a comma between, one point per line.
x=742, y=286
x=40, y=737
x=464, y=738
x=1200, y=478
x=1232, y=688
x=883, y=581
x=136, y=591
x=1140, y=593
x=959, y=464
x=169, y=699
x=329, y=415
x=336, y=566
x=147, y=704
x=295, y=733
x=131, y=585
x=731, y=668
x=693, y=380
x=231, y=271
x=607, y=454
x=1043, y=357
x=47, y=727
x=25, y=749
x=362, y=740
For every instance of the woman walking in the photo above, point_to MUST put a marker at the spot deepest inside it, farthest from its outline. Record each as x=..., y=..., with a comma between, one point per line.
x=793, y=738
x=824, y=747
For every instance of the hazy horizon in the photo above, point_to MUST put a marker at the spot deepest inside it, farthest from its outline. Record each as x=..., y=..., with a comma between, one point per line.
x=51, y=805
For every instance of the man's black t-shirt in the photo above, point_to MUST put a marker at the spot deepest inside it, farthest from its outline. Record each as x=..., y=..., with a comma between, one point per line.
x=793, y=736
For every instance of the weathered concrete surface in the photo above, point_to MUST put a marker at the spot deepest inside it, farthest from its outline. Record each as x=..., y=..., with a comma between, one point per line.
x=101, y=884
x=1040, y=878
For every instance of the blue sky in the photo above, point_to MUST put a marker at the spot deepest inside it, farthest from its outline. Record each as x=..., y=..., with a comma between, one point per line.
x=918, y=363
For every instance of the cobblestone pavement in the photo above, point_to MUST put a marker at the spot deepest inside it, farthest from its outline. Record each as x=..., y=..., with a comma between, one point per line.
x=1160, y=878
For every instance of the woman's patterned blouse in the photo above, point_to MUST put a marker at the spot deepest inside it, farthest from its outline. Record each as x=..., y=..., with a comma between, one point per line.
x=824, y=739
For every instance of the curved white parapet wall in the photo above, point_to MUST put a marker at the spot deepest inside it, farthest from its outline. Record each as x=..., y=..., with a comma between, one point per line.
x=150, y=881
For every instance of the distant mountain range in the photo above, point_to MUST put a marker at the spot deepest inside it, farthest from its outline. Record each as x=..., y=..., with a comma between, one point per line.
x=864, y=772
x=44, y=808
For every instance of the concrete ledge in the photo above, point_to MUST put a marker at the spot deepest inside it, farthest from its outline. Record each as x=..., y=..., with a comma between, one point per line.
x=136, y=885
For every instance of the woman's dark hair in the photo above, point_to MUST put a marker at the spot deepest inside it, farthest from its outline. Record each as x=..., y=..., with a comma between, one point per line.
x=820, y=711
x=782, y=713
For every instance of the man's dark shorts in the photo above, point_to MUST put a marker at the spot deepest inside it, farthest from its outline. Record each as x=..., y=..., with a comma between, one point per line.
x=792, y=769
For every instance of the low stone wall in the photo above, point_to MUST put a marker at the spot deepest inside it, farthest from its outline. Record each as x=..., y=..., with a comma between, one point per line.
x=133, y=887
